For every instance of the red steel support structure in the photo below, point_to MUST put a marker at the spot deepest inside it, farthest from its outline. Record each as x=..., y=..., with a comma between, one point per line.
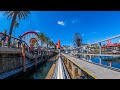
x=58, y=44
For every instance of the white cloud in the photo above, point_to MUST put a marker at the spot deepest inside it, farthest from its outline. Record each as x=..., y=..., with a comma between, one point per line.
x=119, y=40
x=83, y=34
x=61, y=23
x=37, y=31
x=75, y=21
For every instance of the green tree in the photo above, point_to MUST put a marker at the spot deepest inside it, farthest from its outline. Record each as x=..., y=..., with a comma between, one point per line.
x=47, y=40
x=5, y=32
x=14, y=15
x=42, y=37
x=51, y=43
x=77, y=41
x=16, y=24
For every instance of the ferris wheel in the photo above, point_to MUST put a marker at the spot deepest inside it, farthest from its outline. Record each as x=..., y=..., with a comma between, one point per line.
x=31, y=38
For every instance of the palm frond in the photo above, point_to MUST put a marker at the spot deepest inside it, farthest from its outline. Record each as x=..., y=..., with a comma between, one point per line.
x=20, y=14
x=42, y=37
x=6, y=12
x=10, y=15
x=23, y=14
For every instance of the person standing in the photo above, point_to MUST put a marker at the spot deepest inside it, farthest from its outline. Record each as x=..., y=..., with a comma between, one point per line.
x=4, y=37
x=3, y=40
x=19, y=42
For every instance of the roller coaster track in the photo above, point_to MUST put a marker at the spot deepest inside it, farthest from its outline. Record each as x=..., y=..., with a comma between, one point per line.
x=60, y=71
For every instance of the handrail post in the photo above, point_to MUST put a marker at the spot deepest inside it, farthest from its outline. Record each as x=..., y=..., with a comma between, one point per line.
x=87, y=49
x=100, y=60
x=23, y=58
x=100, y=52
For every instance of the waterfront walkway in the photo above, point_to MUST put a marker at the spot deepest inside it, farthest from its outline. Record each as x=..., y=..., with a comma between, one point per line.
x=96, y=71
x=117, y=55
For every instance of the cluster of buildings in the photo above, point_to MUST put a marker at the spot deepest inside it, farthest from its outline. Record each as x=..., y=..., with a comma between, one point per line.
x=106, y=48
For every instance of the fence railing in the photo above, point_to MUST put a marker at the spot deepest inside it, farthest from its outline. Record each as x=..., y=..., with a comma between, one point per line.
x=4, y=41
x=14, y=62
x=89, y=61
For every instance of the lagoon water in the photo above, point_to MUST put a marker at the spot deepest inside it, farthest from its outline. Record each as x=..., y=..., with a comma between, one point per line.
x=41, y=71
x=105, y=60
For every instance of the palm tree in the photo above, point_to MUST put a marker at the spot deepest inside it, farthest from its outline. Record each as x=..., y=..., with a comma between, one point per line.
x=5, y=31
x=42, y=38
x=4, y=36
x=16, y=26
x=14, y=15
x=47, y=40
x=51, y=43
x=0, y=43
x=77, y=42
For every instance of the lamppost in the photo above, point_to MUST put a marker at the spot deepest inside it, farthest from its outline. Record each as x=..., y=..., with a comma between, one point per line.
x=99, y=44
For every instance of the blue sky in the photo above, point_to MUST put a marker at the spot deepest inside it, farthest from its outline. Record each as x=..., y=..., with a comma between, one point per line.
x=92, y=25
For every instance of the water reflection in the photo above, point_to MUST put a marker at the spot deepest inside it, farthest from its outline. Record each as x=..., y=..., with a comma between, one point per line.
x=42, y=71
x=112, y=61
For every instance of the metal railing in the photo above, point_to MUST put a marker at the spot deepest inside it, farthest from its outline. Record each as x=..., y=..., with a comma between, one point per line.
x=117, y=36
x=4, y=40
x=105, y=66
x=97, y=49
x=10, y=66
x=60, y=71
x=11, y=63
